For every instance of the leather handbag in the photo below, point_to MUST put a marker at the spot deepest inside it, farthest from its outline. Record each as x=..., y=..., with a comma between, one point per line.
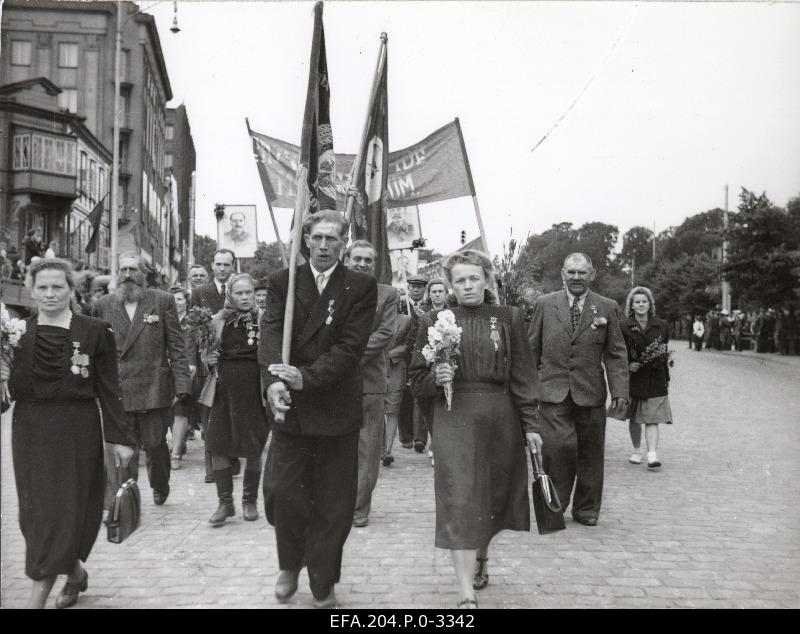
x=546, y=505
x=209, y=390
x=125, y=513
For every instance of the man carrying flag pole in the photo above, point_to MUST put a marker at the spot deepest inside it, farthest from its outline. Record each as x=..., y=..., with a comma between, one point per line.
x=313, y=335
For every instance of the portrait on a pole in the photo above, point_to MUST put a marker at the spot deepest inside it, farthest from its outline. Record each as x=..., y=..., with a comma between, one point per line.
x=402, y=227
x=404, y=263
x=237, y=230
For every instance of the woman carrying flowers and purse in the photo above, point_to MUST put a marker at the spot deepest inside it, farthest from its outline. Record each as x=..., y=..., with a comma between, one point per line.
x=476, y=363
x=647, y=339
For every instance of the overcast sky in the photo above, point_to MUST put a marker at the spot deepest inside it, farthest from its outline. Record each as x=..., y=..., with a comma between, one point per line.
x=682, y=99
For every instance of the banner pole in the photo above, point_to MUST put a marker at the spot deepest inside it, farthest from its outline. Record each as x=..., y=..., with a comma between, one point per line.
x=472, y=187
x=360, y=155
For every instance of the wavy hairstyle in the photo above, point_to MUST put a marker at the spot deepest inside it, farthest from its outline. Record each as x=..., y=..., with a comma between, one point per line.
x=640, y=290
x=477, y=258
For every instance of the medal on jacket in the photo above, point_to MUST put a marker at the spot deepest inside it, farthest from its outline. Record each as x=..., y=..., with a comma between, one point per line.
x=494, y=336
x=252, y=333
x=79, y=361
x=330, y=313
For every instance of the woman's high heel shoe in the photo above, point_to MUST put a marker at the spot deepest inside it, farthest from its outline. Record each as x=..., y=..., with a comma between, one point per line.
x=481, y=578
x=467, y=604
x=69, y=593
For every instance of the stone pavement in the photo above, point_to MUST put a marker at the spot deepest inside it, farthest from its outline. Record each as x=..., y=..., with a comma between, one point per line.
x=718, y=527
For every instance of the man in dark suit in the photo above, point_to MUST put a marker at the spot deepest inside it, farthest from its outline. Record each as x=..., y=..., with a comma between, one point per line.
x=311, y=473
x=212, y=296
x=153, y=367
x=422, y=412
x=573, y=333
x=360, y=256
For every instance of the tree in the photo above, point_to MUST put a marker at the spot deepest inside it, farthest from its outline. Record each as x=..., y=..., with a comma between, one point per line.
x=517, y=273
x=267, y=259
x=687, y=284
x=204, y=248
x=701, y=233
x=637, y=247
x=764, y=253
x=598, y=240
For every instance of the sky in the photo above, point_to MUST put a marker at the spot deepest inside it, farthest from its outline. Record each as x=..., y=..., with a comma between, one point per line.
x=651, y=108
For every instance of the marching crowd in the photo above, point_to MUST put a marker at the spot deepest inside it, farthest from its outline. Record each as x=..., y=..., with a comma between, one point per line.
x=766, y=330
x=359, y=372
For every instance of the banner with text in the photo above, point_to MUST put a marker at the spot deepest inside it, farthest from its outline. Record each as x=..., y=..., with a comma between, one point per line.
x=433, y=169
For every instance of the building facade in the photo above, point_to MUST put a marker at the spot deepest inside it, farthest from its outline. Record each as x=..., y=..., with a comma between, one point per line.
x=53, y=172
x=181, y=162
x=73, y=45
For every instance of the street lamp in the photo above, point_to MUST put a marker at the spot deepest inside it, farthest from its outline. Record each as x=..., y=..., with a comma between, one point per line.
x=174, y=28
x=114, y=216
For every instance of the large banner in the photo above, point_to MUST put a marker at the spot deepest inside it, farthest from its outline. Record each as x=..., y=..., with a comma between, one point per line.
x=433, y=169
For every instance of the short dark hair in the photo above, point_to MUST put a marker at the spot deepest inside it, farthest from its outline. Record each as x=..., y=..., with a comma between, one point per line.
x=326, y=215
x=198, y=266
x=218, y=251
x=52, y=264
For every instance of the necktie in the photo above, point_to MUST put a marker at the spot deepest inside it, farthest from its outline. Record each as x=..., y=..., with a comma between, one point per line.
x=575, y=313
x=320, y=279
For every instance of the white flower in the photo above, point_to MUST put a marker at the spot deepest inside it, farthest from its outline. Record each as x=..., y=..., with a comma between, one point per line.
x=447, y=317
x=434, y=334
x=428, y=353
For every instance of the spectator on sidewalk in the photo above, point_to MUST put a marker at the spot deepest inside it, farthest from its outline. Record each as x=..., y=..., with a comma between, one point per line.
x=649, y=381
x=698, y=330
x=33, y=245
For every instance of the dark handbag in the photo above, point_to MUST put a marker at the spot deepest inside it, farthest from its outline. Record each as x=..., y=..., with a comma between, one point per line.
x=125, y=513
x=546, y=505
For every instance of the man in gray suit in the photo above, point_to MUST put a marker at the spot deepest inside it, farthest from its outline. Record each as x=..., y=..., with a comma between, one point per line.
x=360, y=256
x=573, y=333
x=153, y=367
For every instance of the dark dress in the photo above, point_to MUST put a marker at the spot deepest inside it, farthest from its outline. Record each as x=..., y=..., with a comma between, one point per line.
x=237, y=425
x=481, y=474
x=57, y=439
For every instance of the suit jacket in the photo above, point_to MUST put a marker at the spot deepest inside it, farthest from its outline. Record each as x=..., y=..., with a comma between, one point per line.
x=329, y=335
x=572, y=362
x=651, y=379
x=398, y=354
x=207, y=296
x=153, y=365
x=373, y=363
x=97, y=342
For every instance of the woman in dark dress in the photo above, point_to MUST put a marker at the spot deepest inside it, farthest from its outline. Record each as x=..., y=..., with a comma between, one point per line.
x=649, y=382
x=238, y=424
x=64, y=366
x=481, y=475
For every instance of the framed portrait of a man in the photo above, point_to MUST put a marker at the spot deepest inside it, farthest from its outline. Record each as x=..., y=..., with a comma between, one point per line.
x=237, y=230
x=404, y=263
x=402, y=227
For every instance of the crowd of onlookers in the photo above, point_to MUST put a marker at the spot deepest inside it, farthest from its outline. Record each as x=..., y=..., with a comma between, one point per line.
x=765, y=330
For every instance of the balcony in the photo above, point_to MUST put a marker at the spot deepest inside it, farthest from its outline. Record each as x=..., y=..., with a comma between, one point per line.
x=38, y=182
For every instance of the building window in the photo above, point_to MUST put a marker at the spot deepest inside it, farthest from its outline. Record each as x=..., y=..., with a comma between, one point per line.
x=83, y=180
x=168, y=161
x=20, y=53
x=22, y=152
x=68, y=76
x=61, y=157
x=70, y=165
x=101, y=183
x=36, y=155
x=92, y=181
x=124, y=64
x=170, y=133
x=47, y=154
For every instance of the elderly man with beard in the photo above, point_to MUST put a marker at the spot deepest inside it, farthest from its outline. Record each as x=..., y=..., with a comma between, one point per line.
x=153, y=368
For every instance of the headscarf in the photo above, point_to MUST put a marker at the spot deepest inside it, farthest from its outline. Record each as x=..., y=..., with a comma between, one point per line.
x=231, y=314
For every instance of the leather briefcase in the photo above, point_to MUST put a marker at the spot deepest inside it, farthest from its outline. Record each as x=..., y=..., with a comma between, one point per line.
x=125, y=513
x=546, y=505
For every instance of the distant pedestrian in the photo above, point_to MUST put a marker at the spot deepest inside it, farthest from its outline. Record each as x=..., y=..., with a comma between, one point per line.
x=51, y=249
x=182, y=410
x=32, y=244
x=649, y=373
x=698, y=330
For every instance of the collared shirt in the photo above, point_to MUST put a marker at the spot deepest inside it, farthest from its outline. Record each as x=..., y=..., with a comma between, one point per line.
x=130, y=308
x=220, y=287
x=326, y=275
x=581, y=300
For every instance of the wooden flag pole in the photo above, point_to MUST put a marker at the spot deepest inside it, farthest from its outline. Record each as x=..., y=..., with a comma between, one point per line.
x=472, y=188
x=282, y=249
x=360, y=156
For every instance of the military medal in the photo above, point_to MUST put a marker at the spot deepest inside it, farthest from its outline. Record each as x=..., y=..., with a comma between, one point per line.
x=330, y=314
x=494, y=336
x=79, y=361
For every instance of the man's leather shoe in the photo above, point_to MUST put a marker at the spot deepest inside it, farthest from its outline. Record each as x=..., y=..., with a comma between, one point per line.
x=360, y=522
x=586, y=521
x=419, y=446
x=210, y=478
x=328, y=603
x=286, y=585
x=407, y=445
x=69, y=593
x=159, y=498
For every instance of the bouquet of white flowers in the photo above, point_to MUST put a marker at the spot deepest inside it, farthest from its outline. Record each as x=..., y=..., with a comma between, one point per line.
x=444, y=338
x=11, y=329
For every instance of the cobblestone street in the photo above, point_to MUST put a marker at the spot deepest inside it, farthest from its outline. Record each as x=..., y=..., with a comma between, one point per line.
x=718, y=527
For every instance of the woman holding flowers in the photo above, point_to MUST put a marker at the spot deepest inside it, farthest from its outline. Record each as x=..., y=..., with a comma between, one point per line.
x=647, y=338
x=64, y=365
x=182, y=410
x=237, y=423
x=476, y=363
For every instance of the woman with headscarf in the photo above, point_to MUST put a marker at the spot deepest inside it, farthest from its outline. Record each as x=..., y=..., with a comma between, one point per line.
x=237, y=424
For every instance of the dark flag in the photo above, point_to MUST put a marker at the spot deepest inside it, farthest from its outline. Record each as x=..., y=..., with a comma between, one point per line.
x=94, y=218
x=369, y=209
x=262, y=158
x=316, y=142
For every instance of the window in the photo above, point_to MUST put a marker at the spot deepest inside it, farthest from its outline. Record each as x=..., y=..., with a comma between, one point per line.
x=168, y=161
x=68, y=99
x=67, y=55
x=47, y=154
x=36, y=157
x=61, y=157
x=22, y=151
x=101, y=183
x=20, y=53
x=83, y=179
x=124, y=64
x=92, y=181
x=70, y=163
x=170, y=133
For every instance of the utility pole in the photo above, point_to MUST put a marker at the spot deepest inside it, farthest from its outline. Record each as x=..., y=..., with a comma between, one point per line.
x=726, y=287
x=114, y=216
